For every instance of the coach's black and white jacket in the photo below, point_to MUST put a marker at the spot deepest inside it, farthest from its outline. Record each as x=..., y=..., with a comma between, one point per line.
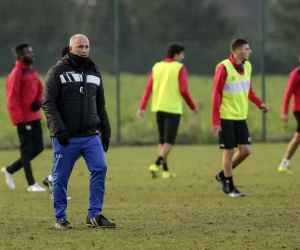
x=73, y=99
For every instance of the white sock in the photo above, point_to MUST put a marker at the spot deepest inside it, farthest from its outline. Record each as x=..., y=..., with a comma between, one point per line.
x=50, y=178
x=285, y=163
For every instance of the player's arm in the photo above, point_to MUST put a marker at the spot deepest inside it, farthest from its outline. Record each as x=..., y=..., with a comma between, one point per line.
x=13, y=86
x=105, y=129
x=37, y=104
x=50, y=100
x=289, y=91
x=219, y=83
x=257, y=101
x=183, y=87
x=145, y=97
x=254, y=98
x=40, y=92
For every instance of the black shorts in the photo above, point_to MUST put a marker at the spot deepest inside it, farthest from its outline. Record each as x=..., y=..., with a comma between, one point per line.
x=233, y=133
x=167, y=125
x=297, y=116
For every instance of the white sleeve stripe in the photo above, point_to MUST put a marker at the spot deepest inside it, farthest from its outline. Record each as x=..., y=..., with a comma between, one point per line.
x=93, y=79
x=64, y=78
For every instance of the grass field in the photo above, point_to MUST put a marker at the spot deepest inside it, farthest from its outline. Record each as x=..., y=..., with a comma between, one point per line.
x=188, y=212
x=192, y=128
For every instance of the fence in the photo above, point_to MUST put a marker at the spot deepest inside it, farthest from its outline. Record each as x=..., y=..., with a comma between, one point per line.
x=128, y=36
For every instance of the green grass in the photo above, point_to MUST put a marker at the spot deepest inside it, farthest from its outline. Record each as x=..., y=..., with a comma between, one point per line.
x=192, y=128
x=188, y=212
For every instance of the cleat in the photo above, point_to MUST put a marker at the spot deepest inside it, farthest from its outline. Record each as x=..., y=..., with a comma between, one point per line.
x=99, y=221
x=48, y=183
x=63, y=224
x=9, y=178
x=36, y=188
x=223, y=183
x=235, y=193
x=154, y=170
x=284, y=170
x=168, y=175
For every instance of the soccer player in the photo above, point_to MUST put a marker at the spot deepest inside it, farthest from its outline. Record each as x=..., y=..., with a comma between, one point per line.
x=292, y=89
x=168, y=82
x=24, y=95
x=74, y=105
x=232, y=89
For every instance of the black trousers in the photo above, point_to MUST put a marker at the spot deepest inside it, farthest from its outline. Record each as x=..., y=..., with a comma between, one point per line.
x=31, y=145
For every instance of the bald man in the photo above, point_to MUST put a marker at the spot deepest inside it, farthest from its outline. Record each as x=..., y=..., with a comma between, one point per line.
x=74, y=105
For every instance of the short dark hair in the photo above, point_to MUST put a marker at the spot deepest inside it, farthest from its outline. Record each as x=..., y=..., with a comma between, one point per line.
x=65, y=51
x=237, y=43
x=20, y=47
x=173, y=49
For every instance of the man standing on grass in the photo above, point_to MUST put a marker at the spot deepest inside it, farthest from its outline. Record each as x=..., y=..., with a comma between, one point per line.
x=74, y=104
x=168, y=82
x=292, y=89
x=232, y=89
x=23, y=97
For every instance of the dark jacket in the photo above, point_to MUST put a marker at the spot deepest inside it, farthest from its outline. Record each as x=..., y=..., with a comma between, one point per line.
x=73, y=100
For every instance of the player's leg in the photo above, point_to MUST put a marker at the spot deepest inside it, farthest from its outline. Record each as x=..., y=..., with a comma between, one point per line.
x=284, y=167
x=160, y=121
x=227, y=143
x=93, y=154
x=171, y=127
x=48, y=180
x=64, y=159
x=25, y=148
x=37, y=146
x=36, y=139
x=243, y=140
x=291, y=149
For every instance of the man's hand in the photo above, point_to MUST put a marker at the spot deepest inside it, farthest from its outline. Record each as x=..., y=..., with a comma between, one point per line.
x=284, y=117
x=140, y=113
x=264, y=107
x=63, y=137
x=216, y=130
x=35, y=106
x=21, y=128
x=105, y=144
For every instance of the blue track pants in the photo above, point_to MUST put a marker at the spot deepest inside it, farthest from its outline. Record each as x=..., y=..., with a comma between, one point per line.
x=64, y=159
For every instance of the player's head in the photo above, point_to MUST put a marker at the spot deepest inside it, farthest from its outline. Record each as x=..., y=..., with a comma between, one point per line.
x=24, y=53
x=175, y=51
x=80, y=45
x=65, y=51
x=240, y=48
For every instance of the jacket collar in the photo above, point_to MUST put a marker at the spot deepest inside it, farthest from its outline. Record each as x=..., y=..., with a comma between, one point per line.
x=22, y=65
x=231, y=59
x=67, y=60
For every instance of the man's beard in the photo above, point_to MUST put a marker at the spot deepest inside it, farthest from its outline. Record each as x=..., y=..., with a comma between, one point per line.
x=28, y=60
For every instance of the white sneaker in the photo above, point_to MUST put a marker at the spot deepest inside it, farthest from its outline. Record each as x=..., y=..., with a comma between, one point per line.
x=9, y=178
x=36, y=188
